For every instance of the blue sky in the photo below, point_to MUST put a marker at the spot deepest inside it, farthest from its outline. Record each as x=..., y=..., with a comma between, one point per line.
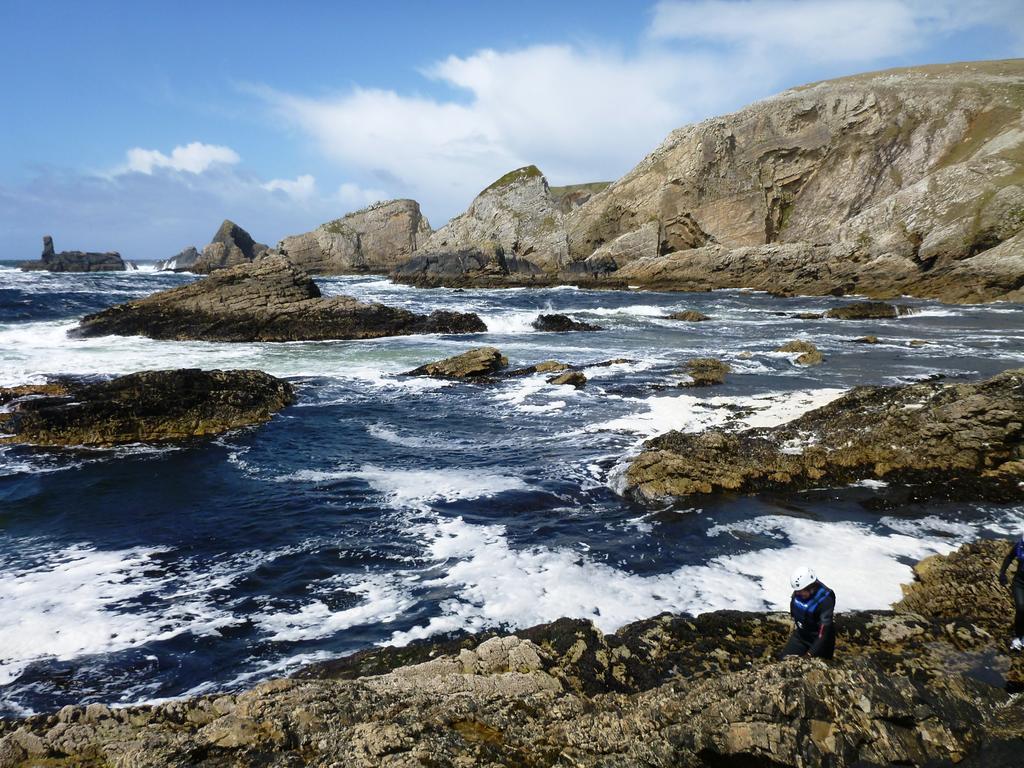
x=139, y=126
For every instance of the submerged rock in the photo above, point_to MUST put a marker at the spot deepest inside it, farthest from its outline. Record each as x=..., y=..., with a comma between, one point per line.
x=671, y=690
x=266, y=300
x=562, y=324
x=150, y=406
x=809, y=354
x=74, y=261
x=950, y=440
x=868, y=310
x=689, y=316
x=481, y=362
x=866, y=340
x=705, y=371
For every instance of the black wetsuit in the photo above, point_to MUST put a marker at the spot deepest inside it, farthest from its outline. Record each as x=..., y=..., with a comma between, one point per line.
x=815, y=632
x=1017, y=553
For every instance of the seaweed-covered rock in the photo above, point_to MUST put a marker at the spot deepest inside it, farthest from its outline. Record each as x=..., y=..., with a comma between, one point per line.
x=148, y=406
x=705, y=371
x=265, y=300
x=477, y=363
x=951, y=440
x=808, y=353
x=689, y=316
x=556, y=323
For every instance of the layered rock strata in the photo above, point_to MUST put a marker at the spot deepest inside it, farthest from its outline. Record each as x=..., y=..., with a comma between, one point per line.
x=375, y=239
x=482, y=362
x=667, y=691
x=265, y=300
x=151, y=406
x=74, y=261
x=951, y=440
x=231, y=245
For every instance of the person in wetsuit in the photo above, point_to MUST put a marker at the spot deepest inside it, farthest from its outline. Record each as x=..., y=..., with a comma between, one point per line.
x=1016, y=553
x=812, y=607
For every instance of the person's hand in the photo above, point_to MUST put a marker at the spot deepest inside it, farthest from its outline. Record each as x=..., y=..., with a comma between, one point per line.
x=1002, y=579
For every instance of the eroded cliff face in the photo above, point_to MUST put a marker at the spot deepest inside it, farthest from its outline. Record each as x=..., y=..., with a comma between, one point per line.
x=881, y=183
x=375, y=239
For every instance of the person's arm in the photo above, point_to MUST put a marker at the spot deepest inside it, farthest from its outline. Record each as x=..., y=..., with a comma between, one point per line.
x=827, y=629
x=1010, y=556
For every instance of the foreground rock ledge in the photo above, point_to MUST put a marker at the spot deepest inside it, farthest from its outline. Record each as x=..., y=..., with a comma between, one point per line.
x=952, y=440
x=666, y=691
x=266, y=300
x=149, y=406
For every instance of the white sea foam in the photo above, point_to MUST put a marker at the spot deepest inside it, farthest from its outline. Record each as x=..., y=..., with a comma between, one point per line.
x=509, y=321
x=688, y=413
x=74, y=601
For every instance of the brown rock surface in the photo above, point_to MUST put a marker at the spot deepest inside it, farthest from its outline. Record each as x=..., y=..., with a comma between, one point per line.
x=953, y=440
x=481, y=362
x=570, y=378
x=150, y=406
x=375, y=239
x=809, y=354
x=265, y=300
x=705, y=371
x=555, y=323
x=867, y=310
x=689, y=316
x=231, y=245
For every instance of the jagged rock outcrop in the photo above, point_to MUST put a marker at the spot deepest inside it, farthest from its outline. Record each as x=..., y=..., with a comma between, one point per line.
x=905, y=181
x=868, y=310
x=575, y=379
x=151, y=406
x=687, y=691
x=689, y=316
x=556, y=323
x=375, y=239
x=511, y=232
x=481, y=362
x=950, y=440
x=231, y=245
x=184, y=261
x=74, y=261
x=265, y=300
x=706, y=371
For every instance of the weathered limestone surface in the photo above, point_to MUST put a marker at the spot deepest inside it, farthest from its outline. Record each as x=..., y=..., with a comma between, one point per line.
x=141, y=407
x=951, y=440
x=375, y=239
x=264, y=300
x=74, y=261
x=481, y=362
x=666, y=691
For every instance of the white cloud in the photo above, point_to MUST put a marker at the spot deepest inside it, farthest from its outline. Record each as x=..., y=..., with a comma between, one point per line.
x=587, y=114
x=354, y=196
x=191, y=158
x=301, y=188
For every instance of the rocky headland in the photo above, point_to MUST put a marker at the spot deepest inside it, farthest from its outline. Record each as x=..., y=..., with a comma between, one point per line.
x=265, y=300
x=230, y=246
x=151, y=406
x=375, y=239
x=906, y=181
x=925, y=684
x=941, y=439
x=74, y=261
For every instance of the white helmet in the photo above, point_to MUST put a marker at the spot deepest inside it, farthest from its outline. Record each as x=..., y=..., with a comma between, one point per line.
x=802, y=578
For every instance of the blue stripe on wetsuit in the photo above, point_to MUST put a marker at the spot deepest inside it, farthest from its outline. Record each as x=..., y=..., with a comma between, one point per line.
x=814, y=602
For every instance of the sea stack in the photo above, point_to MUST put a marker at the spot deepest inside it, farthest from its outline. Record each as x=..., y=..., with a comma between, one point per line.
x=74, y=261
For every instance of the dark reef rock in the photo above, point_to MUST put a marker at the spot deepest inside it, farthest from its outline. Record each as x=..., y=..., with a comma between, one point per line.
x=950, y=440
x=481, y=362
x=266, y=300
x=868, y=310
x=689, y=316
x=672, y=690
x=149, y=406
x=74, y=261
x=569, y=378
x=561, y=324
x=184, y=261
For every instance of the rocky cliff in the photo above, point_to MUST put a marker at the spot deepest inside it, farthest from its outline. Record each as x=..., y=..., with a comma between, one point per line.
x=905, y=181
x=925, y=684
x=231, y=245
x=375, y=239
x=74, y=261
x=264, y=300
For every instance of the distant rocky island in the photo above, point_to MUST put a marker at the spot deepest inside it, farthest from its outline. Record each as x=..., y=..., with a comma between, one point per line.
x=75, y=261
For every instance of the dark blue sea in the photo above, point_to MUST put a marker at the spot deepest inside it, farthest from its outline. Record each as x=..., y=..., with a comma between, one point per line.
x=380, y=508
